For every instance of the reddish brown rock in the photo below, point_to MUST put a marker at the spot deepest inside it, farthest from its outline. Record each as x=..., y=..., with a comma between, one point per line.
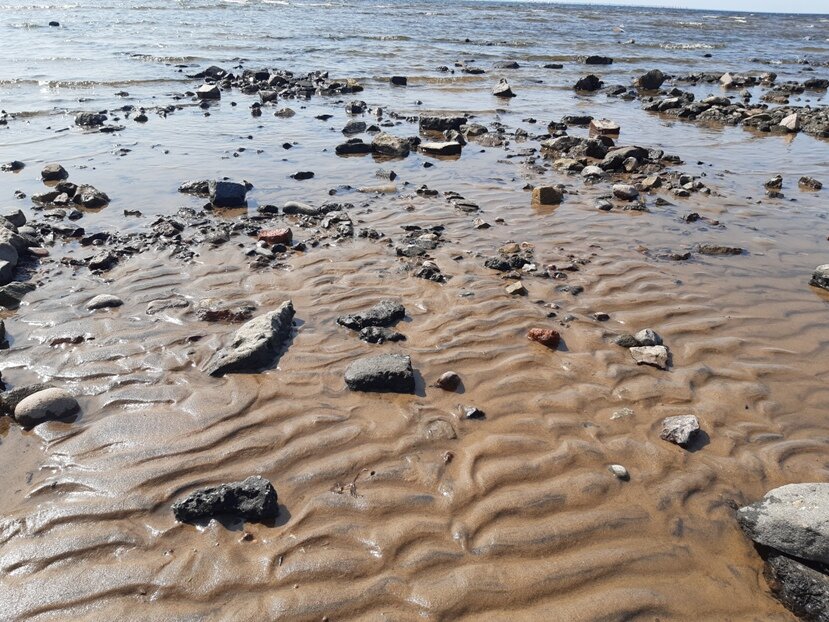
x=276, y=236
x=545, y=336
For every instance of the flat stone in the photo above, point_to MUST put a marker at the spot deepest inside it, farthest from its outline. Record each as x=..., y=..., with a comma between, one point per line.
x=793, y=519
x=619, y=471
x=448, y=381
x=656, y=356
x=679, y=430
x=503, y=89
x=227, y=193
x=386, y=373
x=253, y=499
x=385, y=144
x=255, y=344
x=276, y=236
x=384, y=313
x=441, y=148
x=46, y=405
x=104, y=301
x=545, y=336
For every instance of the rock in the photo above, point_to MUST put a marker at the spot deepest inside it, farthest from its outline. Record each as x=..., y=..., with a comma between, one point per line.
x=16, y=218
x=604, y=127
x=441, y=148
x=386, y=373
x=626, y=192
x=356, y=107
x=378, y=334
x=545, y=336
x=267, y=96
x=90, y=197
x=793, y=519
x=12, y=294
x=716, y=249
x=46, y=405
x=503, y=89
x=505, y=64
x=211, y=310
x=679, y=430
x=619, y=471
x=276, y=236
x=647, y=337
x=201, y=186
x=53, y=172
x=598, y=60
x=775, y=182
x=800, y=587
x=90, y=119
x=656, y=356
x=441, y=123
x=791, y=123
x=11, y=398
x=398, y=80
x=253, y=499
x=384, y=313
x=255, y=344
x=355, y=146
x=809, y=183
x=354, y=127
x=208, y=91
x=102, y=261
x=820, y=277
x=226, y=193
x=12, y=167
x=390, y=146
x=651, y=80
x=104, y=301
x=588, y=83
x=448, y=381
x=547, y=195
x=516, y=289
x=302, y=175
x=471, y=412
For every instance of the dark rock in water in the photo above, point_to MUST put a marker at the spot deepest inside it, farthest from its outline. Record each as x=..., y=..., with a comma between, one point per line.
x=354, y=146
x=268, y=96
x=54, y=24
x=384, y=313
x=53, y=172
x=209, y=310
x=90, y=197
x=588, y=83
x=13, y=166
x=377, y=334
x=820, y=277
x=448, y=381
x=390, y=146
x=503, y=89
x=213, y=72
x=716, y=249
x=354, y=127
x=208, y=92
x=104, y=301
x=102, y=261
x=90, y=119
x=12, y=294
x=598, y=60
x=576, y=119
x=553, y=66
x=441, y=123
x=227, y=193
x=387, y=373
x=201, y=186
x=679, y=430
x=626, y=341
x=651, y=80
x=11, y=398
x=793, y=519
x=802, y=587
x=775, y=182
x=356, y=107
x=506, y=64
x=809, y=183
x=256, y=343
x=302, y=175
x=547, y=195
x=472, y=412
x=253, y=499
x=295, y=207
x=398, y=80
x=17, y=218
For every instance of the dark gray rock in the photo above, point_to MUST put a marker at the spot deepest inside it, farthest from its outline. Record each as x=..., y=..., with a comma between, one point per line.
x=384, y=313
x=11, y=398
x=255, y=344
x=379, y=334
x=503, y=89
x=90, y=197
x=679, y=430
x=208, y=91
x=438, y=123
x=793, y=519
x=16, y=218
x=53, y=172
x=354, y=146
x=226, y=193
x=253, y=499
x=802, y=588
x=390, y=146
x=13, y=166
x=90, y=119
x=398, y=80
x=200, y=186
x=651, y=80
x=820, y=277
x=598, y=60
x=354, y=127
x=12, y=294
x=387, y=373
x=588, y=83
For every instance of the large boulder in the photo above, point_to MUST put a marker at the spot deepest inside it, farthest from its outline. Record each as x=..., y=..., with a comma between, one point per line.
x=253, y=499
x=46, y=405
x=227, y=193
x=794, y=519
x=386, y=373
x=255, y=344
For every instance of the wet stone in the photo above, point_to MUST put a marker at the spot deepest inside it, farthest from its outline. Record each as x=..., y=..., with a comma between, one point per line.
x=545, y=336
x=820, y=277
x=386, y=373
x=384, y=313
x=378, y=334
x=47, y=405
x=104, y=301
x=655, y=356
x=679, y=430
x=253, y=499
x=448, y=381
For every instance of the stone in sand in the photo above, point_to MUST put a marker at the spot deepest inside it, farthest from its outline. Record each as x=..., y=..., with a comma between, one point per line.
x=679, y=430
x=448, y=381
x=46, y=405
x=800, y=587
x=276, y=236
x=385, y=144
x=647, y=337
x=651, y=80
x=227, y=193
x=104, y=301
x=384, y=313
x=253, y=499
x=199, y=186
x=545, y=336
x=255, y=344
x=619, y=471
x=516, y=289
x=820, y=277
x=53, y=172
x=380, y=334
x=387, y=373
x=208, y=91
x=656, y=356
x=11, y=398
x=547, y=195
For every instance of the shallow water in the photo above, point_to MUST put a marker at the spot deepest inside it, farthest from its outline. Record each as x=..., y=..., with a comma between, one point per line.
x=377, y=521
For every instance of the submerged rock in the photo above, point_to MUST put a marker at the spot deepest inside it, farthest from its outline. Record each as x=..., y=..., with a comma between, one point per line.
x=379, y=334
x=46, y=405
x=90, y=119
x=588, y=83
x=255, y=344
x=390, y=146
x=384, y=313
x=253, y=499
x=386, y=373
x=547, y=195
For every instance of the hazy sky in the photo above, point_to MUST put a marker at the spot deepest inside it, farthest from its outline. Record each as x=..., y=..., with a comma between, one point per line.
x=753, y=6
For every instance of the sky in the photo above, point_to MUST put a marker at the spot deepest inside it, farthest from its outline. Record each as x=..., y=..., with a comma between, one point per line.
x=752, y=6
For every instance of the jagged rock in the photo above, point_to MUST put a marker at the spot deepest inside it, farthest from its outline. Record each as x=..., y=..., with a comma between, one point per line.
x=384, y=313
x=386, y=373
x=656, y=356
x=503, y=89
x=90, y=197
x=12, y=294
x=809, y=183
x=800, y=587
x=647, y=337
x=820, y=277
x=201, y=186
x=390, y=146
x=378, y=334
x=254, y=499
x=53, y=172
x=226, y=193
x=545, y=336
x=547, y=195
x=90, y=119
x=651, y=80
x=679, y=430
x=588, y=83
x=255, y=344
x=208, y=91
x=45, y=405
